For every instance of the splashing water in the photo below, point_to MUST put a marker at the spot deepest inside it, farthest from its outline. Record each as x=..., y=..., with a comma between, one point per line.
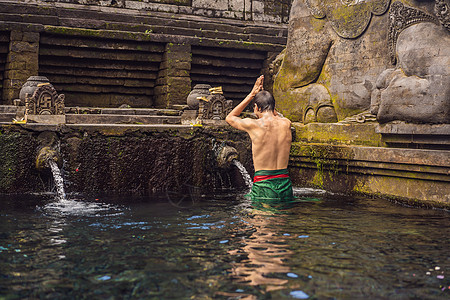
x=244, y=173
x=59, y=182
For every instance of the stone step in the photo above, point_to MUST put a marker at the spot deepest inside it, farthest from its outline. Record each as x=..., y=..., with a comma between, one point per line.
x=200, y=27
x=121, y=119
x=141, y=111
x=123, y=111
x=8, y=109
x=140, y=36
x=21, y=12
x=7, y=117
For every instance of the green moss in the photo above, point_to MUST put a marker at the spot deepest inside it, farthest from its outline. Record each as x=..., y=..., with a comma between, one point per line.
x=138, y=36
x=8, y=160
x=339, y=134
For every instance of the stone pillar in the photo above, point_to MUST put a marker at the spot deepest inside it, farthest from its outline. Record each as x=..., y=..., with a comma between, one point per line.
x=21, y=63
x=174, y=83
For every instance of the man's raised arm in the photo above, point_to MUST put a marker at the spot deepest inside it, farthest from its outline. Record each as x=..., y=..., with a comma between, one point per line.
x=233, y=117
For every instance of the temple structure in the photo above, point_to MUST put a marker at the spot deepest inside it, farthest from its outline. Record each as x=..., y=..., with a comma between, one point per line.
x=366, y=84
x=140, y=53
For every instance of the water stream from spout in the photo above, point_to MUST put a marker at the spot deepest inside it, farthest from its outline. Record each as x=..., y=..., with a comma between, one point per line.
x=244, y=173
x=59, y=182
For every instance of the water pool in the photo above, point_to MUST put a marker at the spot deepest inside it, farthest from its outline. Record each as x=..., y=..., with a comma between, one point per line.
x=322, y=247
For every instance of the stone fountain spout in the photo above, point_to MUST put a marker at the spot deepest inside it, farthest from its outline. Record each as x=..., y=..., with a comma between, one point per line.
x=225, y=156
x=45, y=155
x=49, y=158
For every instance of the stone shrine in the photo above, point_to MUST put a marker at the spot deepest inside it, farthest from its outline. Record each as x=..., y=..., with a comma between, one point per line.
x=45, y=105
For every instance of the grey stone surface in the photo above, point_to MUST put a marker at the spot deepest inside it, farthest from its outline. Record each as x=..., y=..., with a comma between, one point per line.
x=342, y=46
x=317, y=54
x=418, y=90
x=121, y=119
x=260, y=10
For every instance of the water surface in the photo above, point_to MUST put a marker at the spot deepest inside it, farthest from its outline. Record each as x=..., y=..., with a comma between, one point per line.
x=223, y=247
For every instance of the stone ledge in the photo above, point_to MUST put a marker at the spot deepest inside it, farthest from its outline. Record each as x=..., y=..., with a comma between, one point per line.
x=426, y=136
x=339, y=133
x=414, y=176
x=121, y=119
x=425, y=157
x=418, y=129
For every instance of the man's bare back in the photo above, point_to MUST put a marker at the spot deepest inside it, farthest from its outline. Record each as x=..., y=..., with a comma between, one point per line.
x=270, y=133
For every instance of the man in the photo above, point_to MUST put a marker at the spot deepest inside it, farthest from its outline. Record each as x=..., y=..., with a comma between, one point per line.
x=271, y=142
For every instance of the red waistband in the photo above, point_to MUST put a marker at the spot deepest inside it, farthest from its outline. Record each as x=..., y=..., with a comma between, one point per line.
x=266, y=177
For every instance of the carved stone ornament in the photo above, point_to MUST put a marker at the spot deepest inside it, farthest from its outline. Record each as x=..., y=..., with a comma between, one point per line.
x=442, y=11
x=44, y=101
x=400, y=18
x=215, y=108
x=349, y=18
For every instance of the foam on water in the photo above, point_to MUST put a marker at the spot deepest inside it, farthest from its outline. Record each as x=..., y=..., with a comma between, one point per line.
x=79, y=208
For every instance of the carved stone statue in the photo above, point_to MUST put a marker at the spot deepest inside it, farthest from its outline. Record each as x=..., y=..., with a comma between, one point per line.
x=216, y=107
x=334, y=54
x=339, y=58
x=44, y=101
x=418, y=89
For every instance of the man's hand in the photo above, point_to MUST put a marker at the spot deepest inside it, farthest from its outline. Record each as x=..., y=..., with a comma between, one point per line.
x=233, y=117
x=259, y=86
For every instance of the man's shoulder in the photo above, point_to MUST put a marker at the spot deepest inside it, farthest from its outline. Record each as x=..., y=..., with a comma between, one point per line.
x=285, y=120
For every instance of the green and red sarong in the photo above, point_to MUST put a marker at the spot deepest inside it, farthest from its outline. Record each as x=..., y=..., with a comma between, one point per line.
x=272, y=185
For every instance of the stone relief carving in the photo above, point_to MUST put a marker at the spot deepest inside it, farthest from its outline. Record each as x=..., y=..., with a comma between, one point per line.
x=349, y=18
x=44, y=101
x=325, y=74
x=322, y=72
x=442, y=11
x=400, y=18
x=216, y=107
x=418, y=89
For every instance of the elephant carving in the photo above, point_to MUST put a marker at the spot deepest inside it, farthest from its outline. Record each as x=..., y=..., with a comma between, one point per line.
x=418, y=89
x=346, y=58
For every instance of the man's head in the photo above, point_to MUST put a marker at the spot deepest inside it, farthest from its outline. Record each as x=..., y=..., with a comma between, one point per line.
x=264, y=102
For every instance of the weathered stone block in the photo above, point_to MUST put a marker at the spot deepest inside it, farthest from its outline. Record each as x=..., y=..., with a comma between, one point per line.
x=220, y=5
x=15, y=65
x=24, y=47
x=32, y=37
x=176, y=56
x=180, y=65
x=16, y=35
x=17, y=74
x=172, y=72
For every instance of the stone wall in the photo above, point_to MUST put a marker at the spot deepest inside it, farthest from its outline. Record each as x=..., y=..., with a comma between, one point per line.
x=257, y=10
x=112, y=158
x=140, y=53
x=358, y=158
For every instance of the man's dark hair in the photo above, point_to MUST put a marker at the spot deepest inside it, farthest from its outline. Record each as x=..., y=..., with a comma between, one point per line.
x=265, y=101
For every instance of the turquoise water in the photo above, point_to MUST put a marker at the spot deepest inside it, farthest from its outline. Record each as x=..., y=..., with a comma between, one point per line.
x=221, y=247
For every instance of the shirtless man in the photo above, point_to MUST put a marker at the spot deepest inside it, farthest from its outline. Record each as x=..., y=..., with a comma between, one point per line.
x=271, y=143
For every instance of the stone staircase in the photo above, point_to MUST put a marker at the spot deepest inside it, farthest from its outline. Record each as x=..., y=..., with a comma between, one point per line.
x=7, y=113
x=107, y=116
x=156, y=23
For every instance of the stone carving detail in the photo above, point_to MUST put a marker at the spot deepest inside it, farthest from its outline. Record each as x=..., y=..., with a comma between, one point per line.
x=349, y=18
x=316, y=9
x=216, y=107
x=442, y=11
x=418, y=89
x=44, y=101
x=400, y=18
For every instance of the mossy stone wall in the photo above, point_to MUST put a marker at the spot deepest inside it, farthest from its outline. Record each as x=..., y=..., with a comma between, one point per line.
x=132, y=161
